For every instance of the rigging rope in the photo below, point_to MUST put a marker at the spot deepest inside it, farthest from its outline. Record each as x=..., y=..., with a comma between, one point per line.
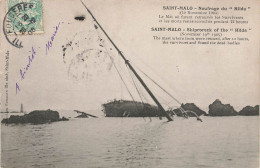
x=159, y=86
x=114, y=65
x=123, y=81
x=128, y=70
x=169, y=94
x=139, y=92
x=135, y=85
x=102, y=42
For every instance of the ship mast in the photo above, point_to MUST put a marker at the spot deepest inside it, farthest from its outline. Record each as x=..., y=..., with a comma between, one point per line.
x=132, y=69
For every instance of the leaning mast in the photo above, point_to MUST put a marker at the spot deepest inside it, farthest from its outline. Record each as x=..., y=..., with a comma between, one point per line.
x=132, y=69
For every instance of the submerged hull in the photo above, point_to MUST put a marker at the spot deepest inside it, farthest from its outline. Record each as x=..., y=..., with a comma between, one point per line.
x=125, y=108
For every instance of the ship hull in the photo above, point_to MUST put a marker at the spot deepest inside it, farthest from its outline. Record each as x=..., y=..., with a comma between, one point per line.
x=125, y=108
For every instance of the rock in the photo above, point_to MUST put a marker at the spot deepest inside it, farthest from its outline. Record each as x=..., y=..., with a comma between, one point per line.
x=190, y=107
x=63, y=119
x=194, y=108
x=34, y=117
x=219, y=109
x=249, y=111
x=15, y=119
x=43, y=116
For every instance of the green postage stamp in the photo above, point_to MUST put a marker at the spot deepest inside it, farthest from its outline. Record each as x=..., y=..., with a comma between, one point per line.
x=24, y=17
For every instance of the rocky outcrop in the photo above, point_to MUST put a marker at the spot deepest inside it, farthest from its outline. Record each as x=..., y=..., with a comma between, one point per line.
x=250, y=111
x=35, y=117
x=219, y=109
x=63, y=119
x=190, y=107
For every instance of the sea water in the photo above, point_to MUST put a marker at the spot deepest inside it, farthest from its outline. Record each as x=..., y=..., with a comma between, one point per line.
x=217, y=142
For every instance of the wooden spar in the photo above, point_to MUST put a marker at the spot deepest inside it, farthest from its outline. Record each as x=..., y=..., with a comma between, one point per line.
x=85, y=114
x=132, y=69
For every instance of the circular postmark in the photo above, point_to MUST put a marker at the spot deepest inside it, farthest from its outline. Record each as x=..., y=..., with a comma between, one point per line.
x=90, y=64
x=22, y=19
x=86, y=57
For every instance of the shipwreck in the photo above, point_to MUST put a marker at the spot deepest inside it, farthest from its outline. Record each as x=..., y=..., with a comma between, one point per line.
x=133, y=108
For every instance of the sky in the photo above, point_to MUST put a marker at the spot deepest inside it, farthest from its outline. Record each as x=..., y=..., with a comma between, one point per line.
x=83, y=76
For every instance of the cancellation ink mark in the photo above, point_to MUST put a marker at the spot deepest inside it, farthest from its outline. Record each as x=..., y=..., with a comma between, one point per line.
x=80, y=18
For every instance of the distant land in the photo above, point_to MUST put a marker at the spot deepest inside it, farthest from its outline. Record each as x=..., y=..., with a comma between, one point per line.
x=11, y=112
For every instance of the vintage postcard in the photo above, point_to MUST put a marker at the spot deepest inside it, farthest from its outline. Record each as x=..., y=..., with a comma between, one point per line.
x=125, y=84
